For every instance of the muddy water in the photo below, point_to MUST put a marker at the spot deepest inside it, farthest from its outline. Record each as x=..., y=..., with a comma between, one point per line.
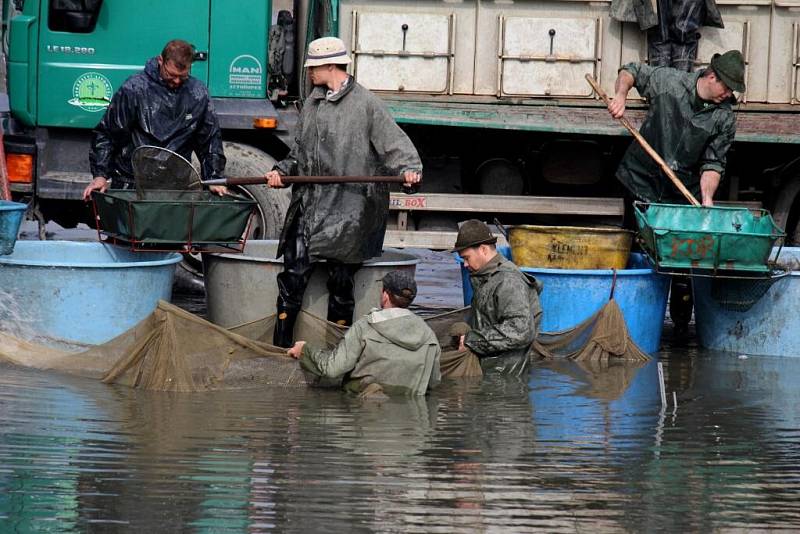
x=566, y=449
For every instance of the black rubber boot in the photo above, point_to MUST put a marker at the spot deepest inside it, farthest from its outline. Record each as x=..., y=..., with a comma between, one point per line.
x=680, y=306
x=341, y=302
x=284, y=325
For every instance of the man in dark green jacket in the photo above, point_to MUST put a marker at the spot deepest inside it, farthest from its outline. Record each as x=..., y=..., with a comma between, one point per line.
x=691, y=124
x=391, y=348
x=506, y=312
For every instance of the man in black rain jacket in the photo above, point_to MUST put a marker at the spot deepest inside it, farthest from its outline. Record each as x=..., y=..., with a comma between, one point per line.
x=162, y=106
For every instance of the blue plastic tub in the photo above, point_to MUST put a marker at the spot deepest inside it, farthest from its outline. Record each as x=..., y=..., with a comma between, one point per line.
x=11, y=215
x=572, y=296
x=81, y=292
x=770, y=327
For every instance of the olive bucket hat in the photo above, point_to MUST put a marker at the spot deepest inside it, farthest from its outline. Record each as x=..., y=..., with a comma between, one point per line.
x=326, y=51
x=729, y=68
x=473, y=233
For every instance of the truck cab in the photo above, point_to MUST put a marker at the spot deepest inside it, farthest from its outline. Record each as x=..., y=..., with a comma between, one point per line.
x=66, y=58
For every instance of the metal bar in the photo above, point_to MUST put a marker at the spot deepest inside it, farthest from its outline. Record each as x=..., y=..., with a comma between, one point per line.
x=551, y=59
x=354, y=39
x=746, y=48
x=260, y=180
x=425, y=55
x=795, y=62
x=451, y=60
x=501, y=34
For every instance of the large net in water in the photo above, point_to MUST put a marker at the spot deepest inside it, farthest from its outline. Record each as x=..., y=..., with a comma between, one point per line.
x=601, y=338
x=174, y=350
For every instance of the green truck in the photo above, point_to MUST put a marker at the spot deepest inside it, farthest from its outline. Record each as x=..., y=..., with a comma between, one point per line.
x=492, y=93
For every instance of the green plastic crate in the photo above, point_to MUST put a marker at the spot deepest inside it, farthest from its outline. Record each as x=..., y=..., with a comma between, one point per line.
x=192, y=220
x=682, y=238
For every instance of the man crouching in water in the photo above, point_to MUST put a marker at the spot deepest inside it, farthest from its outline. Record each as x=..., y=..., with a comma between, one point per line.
x=505, y=304
x=390, y=350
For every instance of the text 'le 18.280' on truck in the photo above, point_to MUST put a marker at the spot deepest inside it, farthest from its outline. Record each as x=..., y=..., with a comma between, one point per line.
x=491, y=92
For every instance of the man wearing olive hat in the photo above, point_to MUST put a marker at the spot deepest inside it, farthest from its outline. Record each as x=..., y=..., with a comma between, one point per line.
x=343, y=130
x=390, y=348
x=691, y=124
x=506, y=312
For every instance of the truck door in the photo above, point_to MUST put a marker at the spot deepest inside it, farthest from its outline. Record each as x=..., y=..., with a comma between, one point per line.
x=88, y=48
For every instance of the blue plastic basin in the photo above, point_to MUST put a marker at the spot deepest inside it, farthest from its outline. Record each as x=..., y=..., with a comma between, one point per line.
x=11, y=215
x=572, y=296
x=770, y=327
x=81, y=292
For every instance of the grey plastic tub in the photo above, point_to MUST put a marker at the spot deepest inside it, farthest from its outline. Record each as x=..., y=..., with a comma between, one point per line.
x=243, y=287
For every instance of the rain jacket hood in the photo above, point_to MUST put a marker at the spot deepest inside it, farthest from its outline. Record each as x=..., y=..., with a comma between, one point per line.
x=145, y=111
x=391, y=347
x=350, y=133
x=400, y=327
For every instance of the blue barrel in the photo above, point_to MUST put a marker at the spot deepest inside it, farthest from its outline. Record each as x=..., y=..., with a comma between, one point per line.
x=11, y=215
x=81, y=292
x=770, y=327
x=572, y=296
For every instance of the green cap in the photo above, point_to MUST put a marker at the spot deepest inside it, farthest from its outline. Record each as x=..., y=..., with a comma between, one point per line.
x=473, y=233
x=729, y=68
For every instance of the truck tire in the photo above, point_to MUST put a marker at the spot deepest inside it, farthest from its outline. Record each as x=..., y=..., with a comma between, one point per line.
x=244, y=160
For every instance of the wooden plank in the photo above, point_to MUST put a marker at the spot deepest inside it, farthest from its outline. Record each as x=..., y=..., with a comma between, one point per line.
x=507, y=204
x=425, y=239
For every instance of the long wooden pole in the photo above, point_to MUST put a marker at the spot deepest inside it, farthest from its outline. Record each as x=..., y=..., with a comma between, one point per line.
x=255, y=180
x=646, y=146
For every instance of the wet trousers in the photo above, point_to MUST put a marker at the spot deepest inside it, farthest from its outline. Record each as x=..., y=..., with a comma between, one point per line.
x=673, y=42
x=292, y=283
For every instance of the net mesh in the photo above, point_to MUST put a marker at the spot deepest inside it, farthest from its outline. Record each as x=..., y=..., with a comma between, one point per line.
x=174, y=350
x=603, y=337
x=741, y=293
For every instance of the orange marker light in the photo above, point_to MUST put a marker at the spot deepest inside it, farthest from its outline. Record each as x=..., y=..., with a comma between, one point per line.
x=20, y=168
x=265, y=122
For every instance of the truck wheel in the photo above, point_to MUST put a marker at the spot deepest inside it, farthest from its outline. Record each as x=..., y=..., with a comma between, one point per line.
x=245, y=160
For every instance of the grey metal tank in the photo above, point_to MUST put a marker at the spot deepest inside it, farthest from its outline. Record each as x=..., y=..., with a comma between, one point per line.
x=243, y=287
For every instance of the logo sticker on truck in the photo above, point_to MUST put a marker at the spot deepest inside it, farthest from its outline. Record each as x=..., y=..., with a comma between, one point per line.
x=91, y=92
x=245, y=74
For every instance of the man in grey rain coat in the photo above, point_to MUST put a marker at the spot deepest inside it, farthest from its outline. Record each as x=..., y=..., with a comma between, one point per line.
x=505, y=304
x=391, y=348
x=343, y=130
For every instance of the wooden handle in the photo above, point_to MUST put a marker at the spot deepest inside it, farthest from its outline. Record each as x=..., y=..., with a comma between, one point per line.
x=255, y=180
x=646, y=146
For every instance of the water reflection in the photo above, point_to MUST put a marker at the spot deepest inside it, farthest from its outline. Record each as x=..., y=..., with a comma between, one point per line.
x=570, y=448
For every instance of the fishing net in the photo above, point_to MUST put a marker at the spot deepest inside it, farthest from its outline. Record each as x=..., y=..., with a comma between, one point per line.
x=603, y=337
x=159, y=168
x=174, y=350
x=740, y=293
